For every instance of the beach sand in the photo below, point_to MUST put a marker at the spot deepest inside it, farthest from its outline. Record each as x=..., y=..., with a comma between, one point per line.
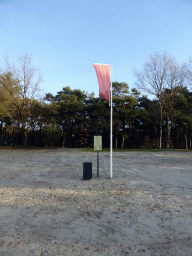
x=47, y=209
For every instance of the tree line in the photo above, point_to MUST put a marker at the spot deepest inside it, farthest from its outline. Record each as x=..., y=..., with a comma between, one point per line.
x=71, y=118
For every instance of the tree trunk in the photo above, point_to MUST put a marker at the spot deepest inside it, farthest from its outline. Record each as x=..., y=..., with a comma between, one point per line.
x=63, y=142
x=160, y=139
x=72, y=135
x=23, y=134
x=1, y=134
x=116, y=141
x=25, y=138
x=40, y=138
x=177, y=131
x=186, y=146
x=189, y=138
x=133, y=133
x=123, y=140
x=168, y=133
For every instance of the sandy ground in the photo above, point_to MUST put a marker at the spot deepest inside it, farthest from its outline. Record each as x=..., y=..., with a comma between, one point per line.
x=46, y=209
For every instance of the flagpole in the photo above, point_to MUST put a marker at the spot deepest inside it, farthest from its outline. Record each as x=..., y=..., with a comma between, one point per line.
x=101, y=79
x=111, y=133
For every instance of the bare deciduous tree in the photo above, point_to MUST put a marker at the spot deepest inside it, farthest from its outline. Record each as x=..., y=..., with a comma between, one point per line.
x=159, y=73
x=30, y=80
x=29, y=76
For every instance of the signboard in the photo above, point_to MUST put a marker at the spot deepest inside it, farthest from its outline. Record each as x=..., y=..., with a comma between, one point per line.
x=97, y=142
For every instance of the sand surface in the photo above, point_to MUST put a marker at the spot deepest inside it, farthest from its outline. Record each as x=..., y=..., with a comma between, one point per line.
x=46, y=209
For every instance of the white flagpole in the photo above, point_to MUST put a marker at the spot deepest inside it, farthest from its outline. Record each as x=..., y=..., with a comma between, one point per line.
x=111, y=122
x=111, y=133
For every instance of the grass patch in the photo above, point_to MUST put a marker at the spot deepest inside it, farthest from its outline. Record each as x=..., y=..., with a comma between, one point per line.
x=92, y=150
x=21, y=147
x=117, y=150
x=170, y=149
x=133, y=150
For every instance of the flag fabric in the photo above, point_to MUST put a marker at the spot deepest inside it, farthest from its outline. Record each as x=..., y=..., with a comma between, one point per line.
x=103, y=77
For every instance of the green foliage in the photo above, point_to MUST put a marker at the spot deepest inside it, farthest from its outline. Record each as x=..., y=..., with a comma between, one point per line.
x=9, y=95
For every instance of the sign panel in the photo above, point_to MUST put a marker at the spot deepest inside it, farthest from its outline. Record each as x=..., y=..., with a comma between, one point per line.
x=97, y=142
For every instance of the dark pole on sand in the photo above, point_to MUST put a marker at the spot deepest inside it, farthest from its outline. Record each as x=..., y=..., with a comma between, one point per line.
x=97, y=163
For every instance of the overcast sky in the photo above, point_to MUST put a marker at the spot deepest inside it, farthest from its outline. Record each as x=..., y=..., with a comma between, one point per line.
x=66, y=37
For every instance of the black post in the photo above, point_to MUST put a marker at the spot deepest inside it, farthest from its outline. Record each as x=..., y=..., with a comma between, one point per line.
x=97, y=163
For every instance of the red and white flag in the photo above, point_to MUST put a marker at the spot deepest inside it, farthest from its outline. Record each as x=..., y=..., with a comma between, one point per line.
x=103, y=76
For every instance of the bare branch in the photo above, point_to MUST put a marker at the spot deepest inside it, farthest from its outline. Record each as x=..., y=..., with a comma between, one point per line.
x=161, y=72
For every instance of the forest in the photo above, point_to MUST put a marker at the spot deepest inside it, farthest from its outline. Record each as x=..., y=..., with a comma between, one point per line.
x=71, y=118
